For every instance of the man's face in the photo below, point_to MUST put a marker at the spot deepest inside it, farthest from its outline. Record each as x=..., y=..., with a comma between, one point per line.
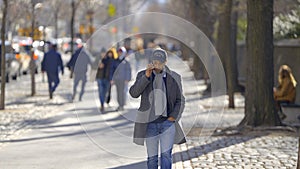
x=158, y=66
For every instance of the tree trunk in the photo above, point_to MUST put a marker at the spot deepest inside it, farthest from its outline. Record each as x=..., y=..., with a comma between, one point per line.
x=200, y=16
x=56, y=24
x=259, y=104
x=197, y=67
x=32, y=64
x=186, y=52
x=3, y=74
x=224, y=47
x=72, y=25
x=91, y=31
x=234, y=27
x=298, y=161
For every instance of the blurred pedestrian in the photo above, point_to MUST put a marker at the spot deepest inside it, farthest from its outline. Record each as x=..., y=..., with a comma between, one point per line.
x=127, y=46
x=115, y=59
x=139, y=55
x=51, y=64
x=103, y=76
x=79, y=62
x=121, y=75
x=148, y=51
x=162, y=104
x=285, y=93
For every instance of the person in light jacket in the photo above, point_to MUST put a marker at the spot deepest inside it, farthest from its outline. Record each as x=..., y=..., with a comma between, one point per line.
x=120, y=76
x=161, y=106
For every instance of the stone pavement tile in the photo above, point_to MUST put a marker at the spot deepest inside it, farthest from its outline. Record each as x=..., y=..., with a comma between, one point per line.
x=239, y=152
x=177, y=158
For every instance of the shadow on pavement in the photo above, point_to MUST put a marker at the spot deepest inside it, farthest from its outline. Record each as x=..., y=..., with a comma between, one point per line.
x=196, y=151
x=83, y=126
x=138, y=165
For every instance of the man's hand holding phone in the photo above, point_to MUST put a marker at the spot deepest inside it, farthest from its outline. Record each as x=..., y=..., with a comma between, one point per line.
x=150, y=68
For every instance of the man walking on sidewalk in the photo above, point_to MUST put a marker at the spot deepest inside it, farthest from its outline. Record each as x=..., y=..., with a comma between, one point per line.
x=79, y=66
x=162, y=104
x=51, y=64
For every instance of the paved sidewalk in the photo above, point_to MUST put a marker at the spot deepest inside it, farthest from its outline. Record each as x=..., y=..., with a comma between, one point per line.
x=22, y=110
x=60, y=134
x=237, y=152
x=202, y=150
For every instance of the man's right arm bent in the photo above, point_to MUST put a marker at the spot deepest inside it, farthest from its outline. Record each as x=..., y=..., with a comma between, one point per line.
x=139, y=85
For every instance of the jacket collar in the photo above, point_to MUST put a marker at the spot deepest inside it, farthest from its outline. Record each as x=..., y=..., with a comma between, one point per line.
x=168, y=78
x=167, y=71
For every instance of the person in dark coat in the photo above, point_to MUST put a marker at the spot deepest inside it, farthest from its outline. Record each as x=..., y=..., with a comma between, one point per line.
x=103, y=77
x=162, y=103
x=51, y=64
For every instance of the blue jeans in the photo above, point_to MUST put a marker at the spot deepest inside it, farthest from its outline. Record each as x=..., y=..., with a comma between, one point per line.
x=163, y=134
x=103, y=86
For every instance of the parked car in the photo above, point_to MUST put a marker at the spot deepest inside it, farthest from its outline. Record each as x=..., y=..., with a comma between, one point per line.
x=12, y=64
x=24, y=53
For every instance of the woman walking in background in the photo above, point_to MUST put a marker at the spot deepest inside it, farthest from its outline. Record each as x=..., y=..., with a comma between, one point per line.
x=103, y=76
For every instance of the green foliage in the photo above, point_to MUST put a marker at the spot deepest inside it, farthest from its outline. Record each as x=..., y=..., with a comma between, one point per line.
x=242, y=29
x=287, y=26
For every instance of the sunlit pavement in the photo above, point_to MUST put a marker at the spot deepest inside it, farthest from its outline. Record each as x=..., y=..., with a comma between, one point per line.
x=58, y=133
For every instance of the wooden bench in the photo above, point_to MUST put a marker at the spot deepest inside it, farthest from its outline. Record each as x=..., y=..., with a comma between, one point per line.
x=292, y=112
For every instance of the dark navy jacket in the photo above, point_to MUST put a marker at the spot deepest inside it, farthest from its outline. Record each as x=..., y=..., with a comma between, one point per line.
x=52, y=62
